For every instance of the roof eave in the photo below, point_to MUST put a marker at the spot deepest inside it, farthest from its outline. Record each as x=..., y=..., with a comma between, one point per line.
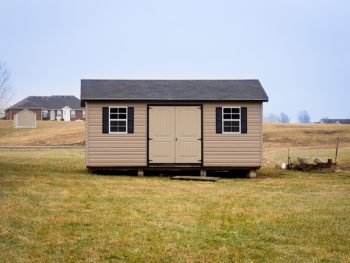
x=83, y=100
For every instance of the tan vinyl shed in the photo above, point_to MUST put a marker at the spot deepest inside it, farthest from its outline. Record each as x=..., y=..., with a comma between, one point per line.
x=173, y=124
x=25, y=119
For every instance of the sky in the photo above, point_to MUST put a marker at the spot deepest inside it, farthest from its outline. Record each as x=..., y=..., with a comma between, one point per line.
x=298, y=49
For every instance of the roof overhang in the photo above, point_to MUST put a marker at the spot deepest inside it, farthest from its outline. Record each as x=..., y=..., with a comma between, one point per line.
x=82, y=103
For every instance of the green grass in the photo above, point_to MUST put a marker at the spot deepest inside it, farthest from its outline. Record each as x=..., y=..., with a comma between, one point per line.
x=53, y=210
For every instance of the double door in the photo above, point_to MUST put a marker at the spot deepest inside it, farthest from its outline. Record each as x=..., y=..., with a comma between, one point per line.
x=175, y=135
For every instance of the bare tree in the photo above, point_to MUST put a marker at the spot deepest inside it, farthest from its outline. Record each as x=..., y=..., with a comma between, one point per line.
x=284, y=118
x=5, y=88
x=304, y=117
x=272, y=118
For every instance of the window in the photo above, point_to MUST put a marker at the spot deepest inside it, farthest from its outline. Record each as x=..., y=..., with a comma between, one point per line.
x=45, y=114
x=72, y=113
x=117, y=119
x=83, y=113
x=59, y=113
x=231, y=120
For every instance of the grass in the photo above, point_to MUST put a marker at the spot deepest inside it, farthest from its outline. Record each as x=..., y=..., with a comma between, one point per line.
x=307, y=140
x=279, y=155
x=52, y=210
x=46, y=133
x=301, y=135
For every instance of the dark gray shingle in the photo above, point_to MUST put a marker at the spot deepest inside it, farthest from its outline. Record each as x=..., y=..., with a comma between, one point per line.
x=249, y=90
x=48, y=102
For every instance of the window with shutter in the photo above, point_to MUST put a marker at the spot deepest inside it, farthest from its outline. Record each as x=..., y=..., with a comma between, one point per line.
x=118, y=119
x=234, y=120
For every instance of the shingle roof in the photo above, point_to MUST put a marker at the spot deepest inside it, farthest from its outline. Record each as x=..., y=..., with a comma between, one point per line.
x=247, y=90
x=48, y=102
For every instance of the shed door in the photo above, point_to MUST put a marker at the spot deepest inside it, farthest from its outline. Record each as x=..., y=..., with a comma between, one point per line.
x=188, y=134
x=162, y=134
x=175, y=134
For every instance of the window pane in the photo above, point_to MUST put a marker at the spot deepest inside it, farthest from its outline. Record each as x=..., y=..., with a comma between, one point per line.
x=235, y=129
x=117, y=123
x=227, y=110
x=227, y=116
x=122, y=110
x=122, y=116
x=227, y=124
x=114, y=129
x=235, y=110
x=114, y=116
x=122, y=129
x=227, y=129
x=235, y=116
x=235, y=123
x=114, y=110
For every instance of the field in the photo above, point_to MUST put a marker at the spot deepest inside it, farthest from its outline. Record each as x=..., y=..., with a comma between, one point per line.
x=46, y=133
x=53, y=210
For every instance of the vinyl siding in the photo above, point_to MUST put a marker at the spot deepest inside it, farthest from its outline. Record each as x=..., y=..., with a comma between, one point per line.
x=113, y=150
x=233, y=150
x=219, y=150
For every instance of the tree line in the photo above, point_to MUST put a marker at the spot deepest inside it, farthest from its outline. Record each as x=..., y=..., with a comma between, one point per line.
x=303, y=117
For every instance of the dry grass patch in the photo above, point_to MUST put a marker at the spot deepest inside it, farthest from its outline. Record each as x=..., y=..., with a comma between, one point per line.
x=296, y=135
x=46, y=133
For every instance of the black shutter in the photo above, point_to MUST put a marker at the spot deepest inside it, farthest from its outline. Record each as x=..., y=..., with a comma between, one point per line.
x=244, y=128
x=218, y=120
x=105, y=120
x=130, y=119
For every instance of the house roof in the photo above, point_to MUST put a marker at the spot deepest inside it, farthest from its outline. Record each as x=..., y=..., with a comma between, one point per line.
x=48, y=102
x=211, y=90
x=341, y=121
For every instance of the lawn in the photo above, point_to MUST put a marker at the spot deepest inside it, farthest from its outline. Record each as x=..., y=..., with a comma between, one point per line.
x=53, y=210
x=301, y=135
x=46, y=133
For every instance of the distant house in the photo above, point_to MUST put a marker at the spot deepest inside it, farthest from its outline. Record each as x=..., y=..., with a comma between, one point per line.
x=54, y=107
x=335, y=121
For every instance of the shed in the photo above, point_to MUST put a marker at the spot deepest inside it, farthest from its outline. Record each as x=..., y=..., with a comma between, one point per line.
x=173, y=124
x=25, y=119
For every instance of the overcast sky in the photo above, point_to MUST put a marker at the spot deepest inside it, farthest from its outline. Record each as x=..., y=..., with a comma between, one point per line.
x=299, y=49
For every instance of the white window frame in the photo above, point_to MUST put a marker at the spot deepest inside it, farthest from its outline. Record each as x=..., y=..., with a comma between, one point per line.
x=84, y=113
x=126, y=119
x=240, y=119
x=59, y=115
x=71, y=111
